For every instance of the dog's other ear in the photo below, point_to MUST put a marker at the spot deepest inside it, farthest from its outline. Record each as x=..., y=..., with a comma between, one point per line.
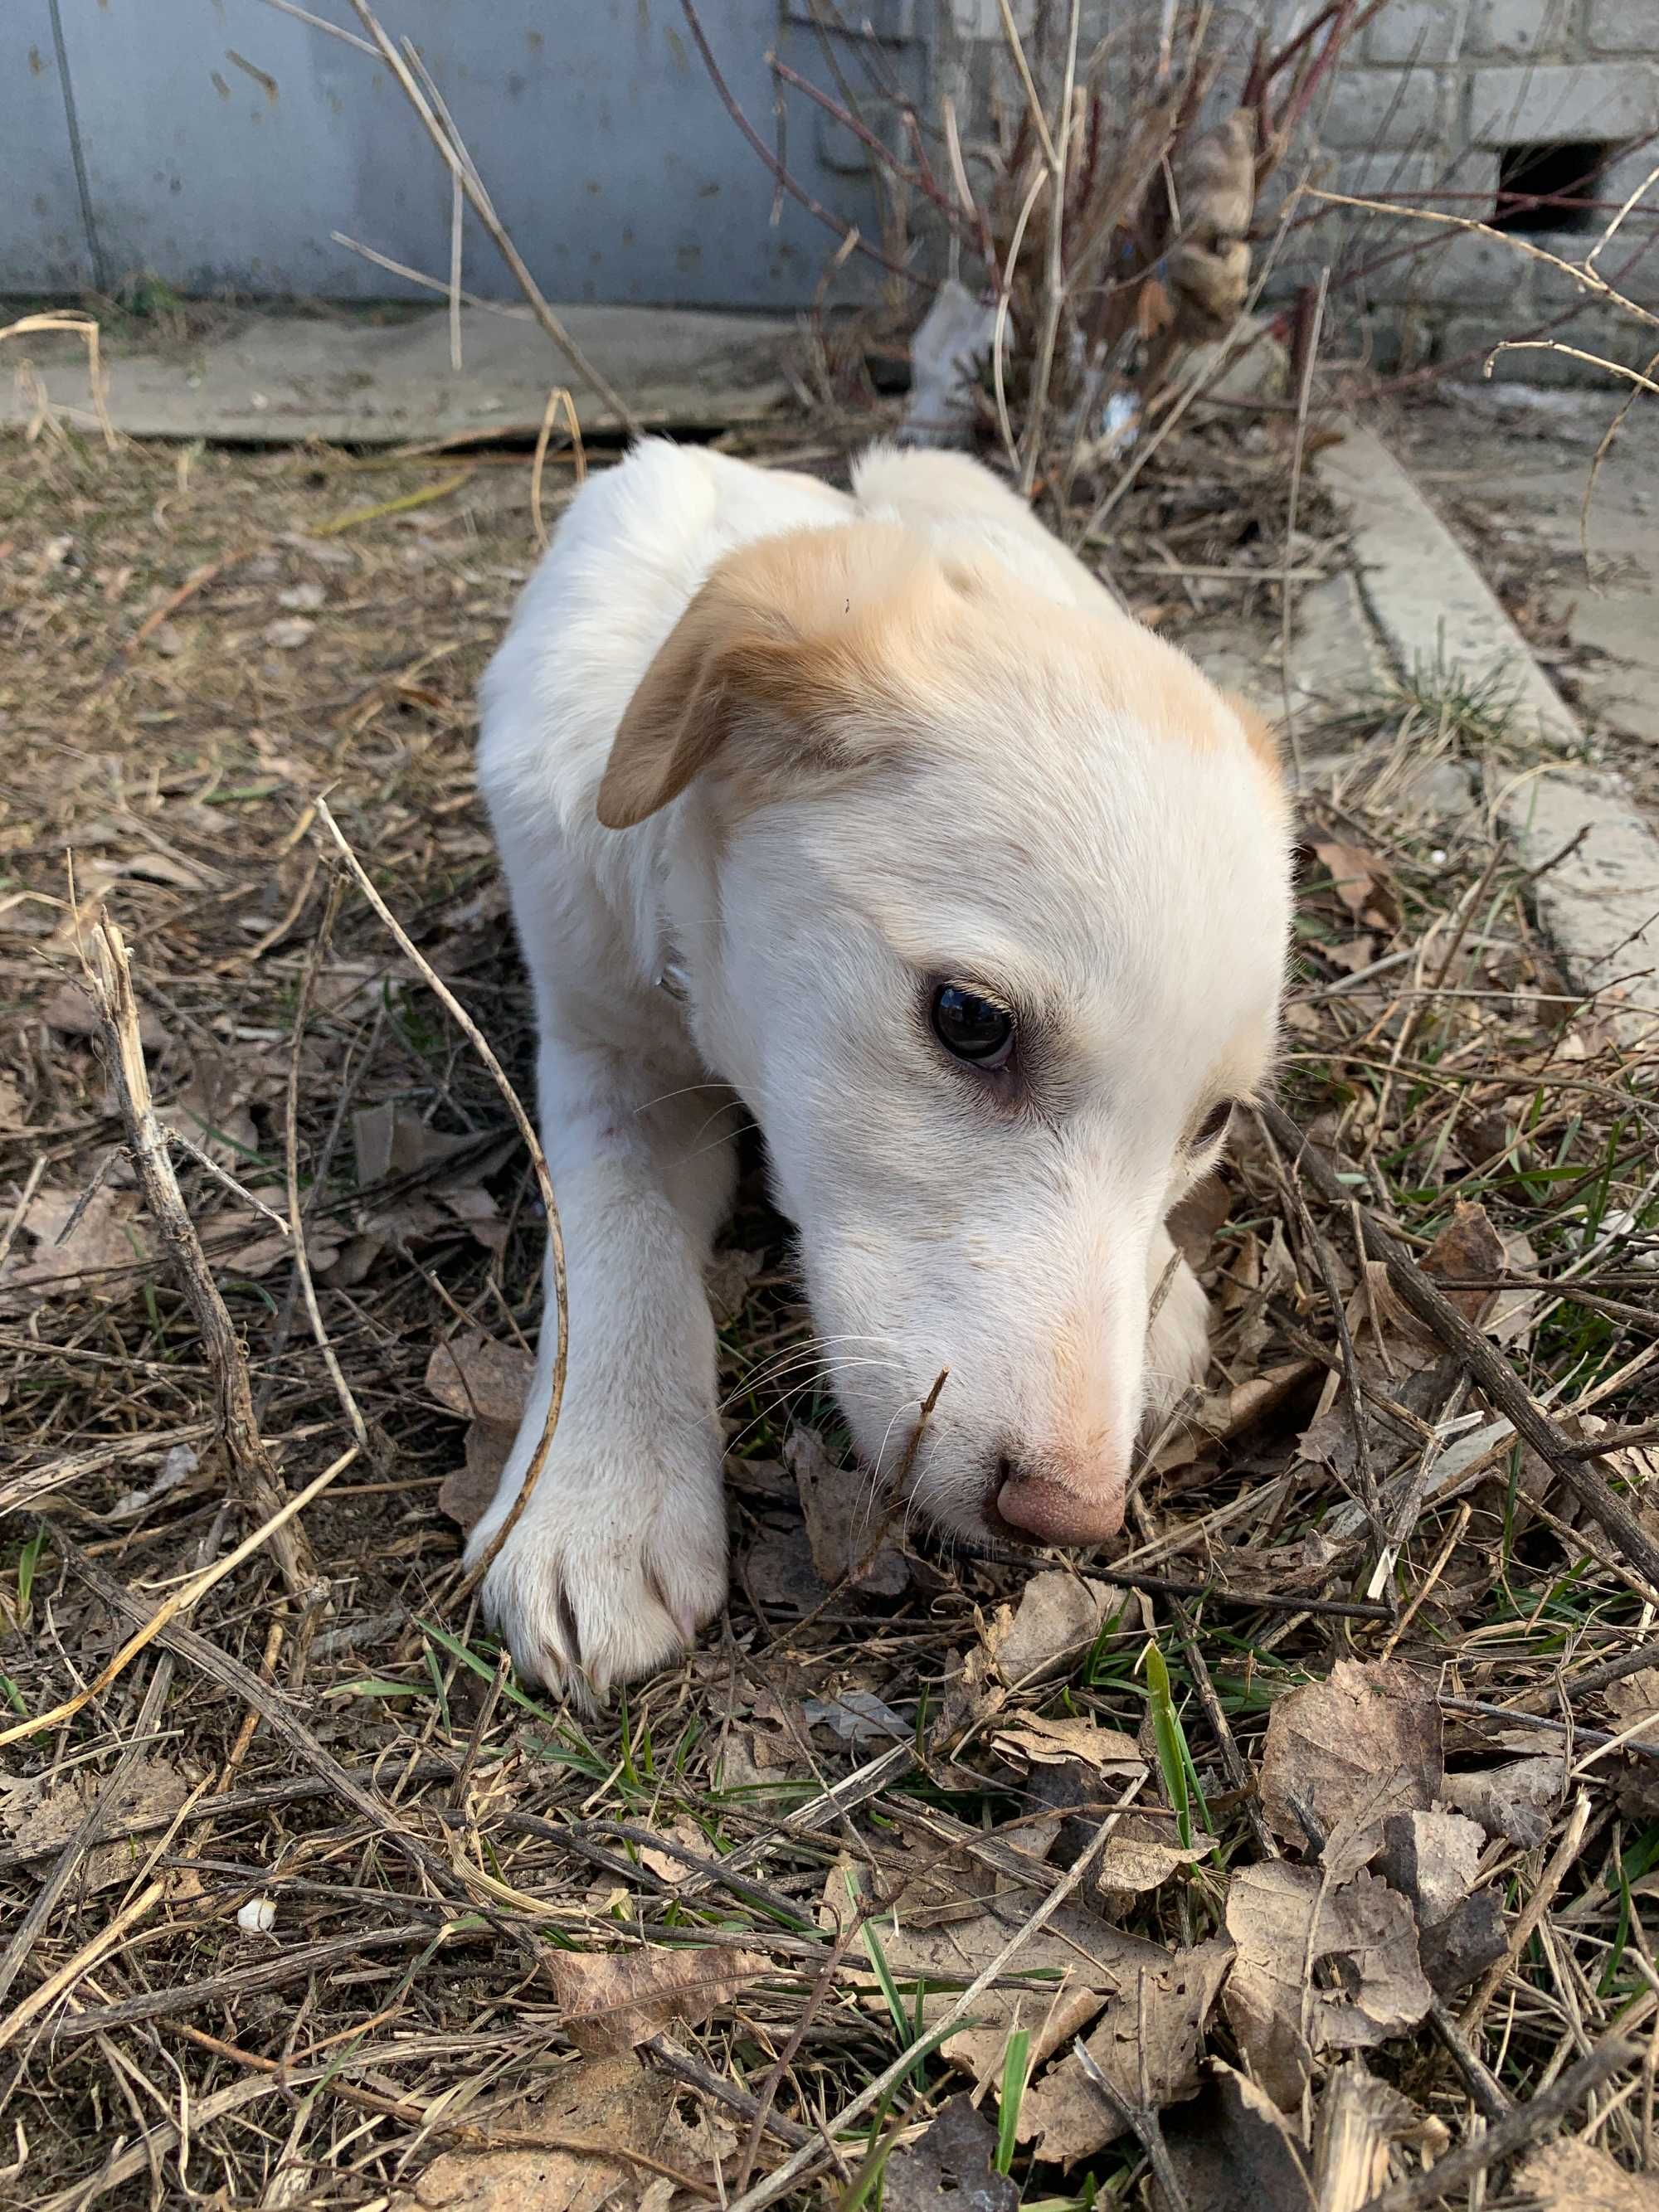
x=788, y=647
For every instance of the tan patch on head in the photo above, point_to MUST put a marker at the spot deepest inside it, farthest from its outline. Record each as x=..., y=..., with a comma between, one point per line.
x=806, y=627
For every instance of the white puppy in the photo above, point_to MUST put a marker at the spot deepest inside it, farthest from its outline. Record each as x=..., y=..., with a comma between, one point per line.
x=876, y=810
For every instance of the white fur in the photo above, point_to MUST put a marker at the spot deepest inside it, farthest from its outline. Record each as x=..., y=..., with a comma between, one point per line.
x=1133, y=884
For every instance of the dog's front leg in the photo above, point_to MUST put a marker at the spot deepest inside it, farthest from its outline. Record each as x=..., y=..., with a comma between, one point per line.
x=619, y=1555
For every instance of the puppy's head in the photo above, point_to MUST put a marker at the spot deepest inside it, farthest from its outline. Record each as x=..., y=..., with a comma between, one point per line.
x=985, y=903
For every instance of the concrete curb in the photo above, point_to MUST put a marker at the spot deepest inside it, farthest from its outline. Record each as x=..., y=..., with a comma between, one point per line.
x=1427, y=601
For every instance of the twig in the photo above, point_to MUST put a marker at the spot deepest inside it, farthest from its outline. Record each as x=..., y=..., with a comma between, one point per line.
x=1053, y=304
x=668, y=2059
x=461, y=169
x=779, y=174
x=109, y=983
x=1286, y=597
x=1482, y=2084
x=278, y=1714
x=1591, y=1739
x=538, y=1164
x=104, y=1805
x=1449, y=2177
x=557, y=398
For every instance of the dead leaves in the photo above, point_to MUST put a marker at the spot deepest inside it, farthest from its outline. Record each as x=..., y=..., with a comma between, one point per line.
x=1362, y=882
x=1056, y=1986
x=612, y=2001
x=1058, y=1618
x=79, y=1243
x=39, y=1818
x=844, y=1525
x=1288, y=1922
x=602, y=2127
x=1342, y=1754
x=485, y=1384
x=949, y=2165
x=1576, y=2177
x=1147, y=2044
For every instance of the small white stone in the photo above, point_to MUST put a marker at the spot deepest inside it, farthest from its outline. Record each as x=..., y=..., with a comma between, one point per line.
x=258, y=1917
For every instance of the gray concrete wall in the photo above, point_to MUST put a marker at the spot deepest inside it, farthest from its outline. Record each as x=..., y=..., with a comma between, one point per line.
x=219, y=143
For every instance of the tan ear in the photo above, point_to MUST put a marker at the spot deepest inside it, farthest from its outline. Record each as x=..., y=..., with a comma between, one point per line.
x=1258, y=733
x=787, y=640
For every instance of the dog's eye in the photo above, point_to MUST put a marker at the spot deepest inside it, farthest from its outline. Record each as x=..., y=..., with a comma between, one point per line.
x=971, y=1028
x=1213, y=1127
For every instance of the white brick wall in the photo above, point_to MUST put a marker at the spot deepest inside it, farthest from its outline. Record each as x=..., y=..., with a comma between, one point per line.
x=1422, y=105
x=1509, y=104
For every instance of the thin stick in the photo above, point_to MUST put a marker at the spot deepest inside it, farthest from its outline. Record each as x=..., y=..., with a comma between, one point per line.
x=1059, y=157
x=460, y=167
x=1286, y=597
x=558, y=398
x=295, y=1223
x=476, y=1037
x=780, y=2178
x=109, y=984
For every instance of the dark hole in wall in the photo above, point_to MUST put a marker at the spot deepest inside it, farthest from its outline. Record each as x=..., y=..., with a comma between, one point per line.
x=1534, y=179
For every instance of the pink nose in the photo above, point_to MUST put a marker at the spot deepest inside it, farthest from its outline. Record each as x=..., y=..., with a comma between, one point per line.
x=1053, y=1515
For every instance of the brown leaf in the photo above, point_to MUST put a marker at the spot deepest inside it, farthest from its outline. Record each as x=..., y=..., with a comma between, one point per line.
x=610, y=2001
x=1068, y=1968
x=779, y=1569
x=728, y=1278
x=98, y=1254
x=1155, y=2025
x=1287, y=1924
x=1229, y=1412
x=1058, y=1617
x=1467, y=1247
x=612, y=2102
x=1465, y=1944
x=1342, y=1755
x=1137, y=1857
x=1053, y=1742
x=1517, y=1800
x=390, y=1139
x=477, y=1378
x=1433, y=1859
x=1574, y=2177
x=466, y=1493
x=1634, y=1705
x=41, y=1819
x=1195, y=1220
x=949, y=2166
x=1361, y=881
x=1233, y=2152
x=842, y=1525
x=212, y=1111
x=70, y=1013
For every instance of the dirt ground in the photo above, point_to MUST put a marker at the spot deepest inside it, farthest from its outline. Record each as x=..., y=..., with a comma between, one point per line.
x=1325, y=1808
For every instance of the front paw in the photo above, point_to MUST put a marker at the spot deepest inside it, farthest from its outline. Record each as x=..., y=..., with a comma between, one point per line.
x=615, y=1563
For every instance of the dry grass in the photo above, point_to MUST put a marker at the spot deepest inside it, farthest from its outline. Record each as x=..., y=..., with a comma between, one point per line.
x=435, y=1846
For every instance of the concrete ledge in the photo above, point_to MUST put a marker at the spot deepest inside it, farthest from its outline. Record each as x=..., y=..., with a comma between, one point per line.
x=282, y=378
x=1599, y=905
